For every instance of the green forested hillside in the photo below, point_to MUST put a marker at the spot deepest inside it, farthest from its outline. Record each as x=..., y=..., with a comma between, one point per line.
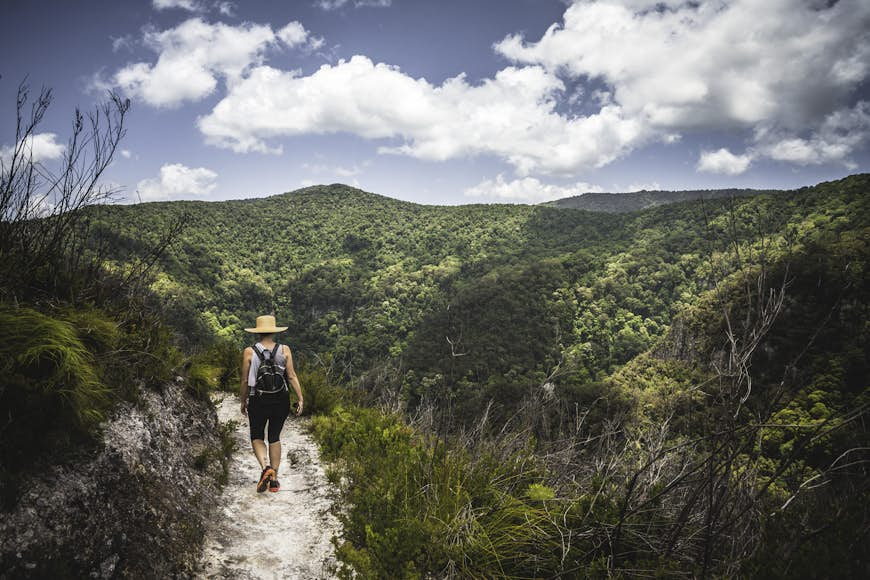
x=681, y=389
x=376, y=282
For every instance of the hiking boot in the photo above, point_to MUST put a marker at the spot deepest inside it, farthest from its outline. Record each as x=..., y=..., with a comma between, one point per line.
x=265, y=478
x=274, y=485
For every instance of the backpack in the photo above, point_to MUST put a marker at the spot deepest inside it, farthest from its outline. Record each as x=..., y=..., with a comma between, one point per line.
x=271, y=378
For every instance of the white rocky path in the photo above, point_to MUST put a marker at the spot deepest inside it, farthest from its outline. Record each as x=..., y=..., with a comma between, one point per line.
x=271, y=535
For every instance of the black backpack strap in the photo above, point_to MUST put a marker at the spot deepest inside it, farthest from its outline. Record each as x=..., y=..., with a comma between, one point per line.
x=275, y=350
x=260, y=354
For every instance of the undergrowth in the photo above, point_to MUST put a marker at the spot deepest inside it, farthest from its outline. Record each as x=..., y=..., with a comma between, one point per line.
x=419, y=507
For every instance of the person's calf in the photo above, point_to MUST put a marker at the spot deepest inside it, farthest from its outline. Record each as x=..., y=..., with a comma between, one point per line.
x=275, y=455
x=259, y=447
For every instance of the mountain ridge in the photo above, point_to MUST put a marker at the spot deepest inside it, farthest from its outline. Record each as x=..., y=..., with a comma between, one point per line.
x=599, y=202
x=381, y=248
x=645, y=199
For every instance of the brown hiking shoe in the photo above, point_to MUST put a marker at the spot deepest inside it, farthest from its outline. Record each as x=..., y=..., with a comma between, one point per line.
x=274, y=485
x=265, y=478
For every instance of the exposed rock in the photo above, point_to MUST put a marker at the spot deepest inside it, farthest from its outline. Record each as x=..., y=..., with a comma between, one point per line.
x=133, y=506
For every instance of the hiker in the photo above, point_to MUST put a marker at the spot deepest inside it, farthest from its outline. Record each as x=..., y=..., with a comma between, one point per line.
x=266, y=368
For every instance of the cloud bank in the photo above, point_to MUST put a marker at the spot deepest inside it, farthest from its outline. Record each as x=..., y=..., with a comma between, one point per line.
x=783, y=73
x=780, y=67
x=512, y=116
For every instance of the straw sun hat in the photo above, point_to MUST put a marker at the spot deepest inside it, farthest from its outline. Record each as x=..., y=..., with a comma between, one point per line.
x=266, y=325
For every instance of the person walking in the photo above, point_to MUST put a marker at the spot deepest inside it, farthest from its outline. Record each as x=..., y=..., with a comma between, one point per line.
x=266, y=369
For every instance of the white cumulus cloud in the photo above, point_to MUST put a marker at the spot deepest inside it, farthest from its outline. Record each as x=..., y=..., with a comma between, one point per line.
x=39, y=147
x=176, y=180
x=44, y=147
x=527, y=190
x=712, y=64
x=293, y=34
x=512, y=116
x=723, y=161
x=194, y=55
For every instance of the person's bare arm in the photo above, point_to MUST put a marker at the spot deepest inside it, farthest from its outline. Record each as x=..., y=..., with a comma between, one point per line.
x=244, y=390
x=294, y=380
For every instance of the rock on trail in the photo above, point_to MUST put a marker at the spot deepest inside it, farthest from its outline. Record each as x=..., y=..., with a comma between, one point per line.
x=271, y=535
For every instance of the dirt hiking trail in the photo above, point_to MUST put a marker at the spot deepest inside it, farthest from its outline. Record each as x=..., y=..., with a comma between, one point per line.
x=271, y=535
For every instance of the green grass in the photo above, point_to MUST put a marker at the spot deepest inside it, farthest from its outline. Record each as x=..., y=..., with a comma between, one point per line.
x=50, y=356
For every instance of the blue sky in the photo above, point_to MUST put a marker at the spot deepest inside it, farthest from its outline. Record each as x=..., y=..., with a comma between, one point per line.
x=453, y=101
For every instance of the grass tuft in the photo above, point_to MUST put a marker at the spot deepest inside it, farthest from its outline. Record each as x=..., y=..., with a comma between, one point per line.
x=50, y=356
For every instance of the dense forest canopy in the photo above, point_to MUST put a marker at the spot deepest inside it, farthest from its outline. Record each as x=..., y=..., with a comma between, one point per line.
x=710, y=354
x=514, y=288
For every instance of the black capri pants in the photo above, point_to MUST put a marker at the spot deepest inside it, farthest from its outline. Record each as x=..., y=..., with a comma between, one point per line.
x=268, y=411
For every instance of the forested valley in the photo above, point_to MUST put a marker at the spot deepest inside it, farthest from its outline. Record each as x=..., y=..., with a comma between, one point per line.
x=501, y=390
x=535, y=391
